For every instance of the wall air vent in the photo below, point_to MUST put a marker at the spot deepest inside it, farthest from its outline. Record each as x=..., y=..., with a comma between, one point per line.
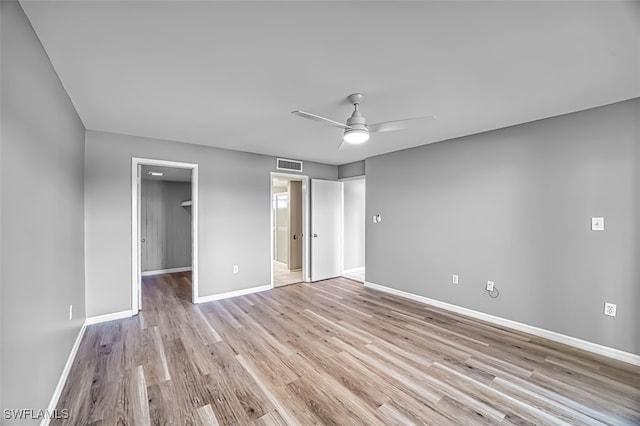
x=289, y=165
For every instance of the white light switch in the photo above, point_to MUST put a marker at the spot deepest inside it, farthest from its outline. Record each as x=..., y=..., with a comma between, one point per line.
x=377, y=218
x=597, y=223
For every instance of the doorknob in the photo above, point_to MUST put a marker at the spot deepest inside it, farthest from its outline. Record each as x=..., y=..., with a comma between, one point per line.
x=143, y=240
x=295, y=237
x=315, y=235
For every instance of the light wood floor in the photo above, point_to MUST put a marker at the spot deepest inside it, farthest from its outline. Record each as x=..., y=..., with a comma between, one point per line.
x=331, y=353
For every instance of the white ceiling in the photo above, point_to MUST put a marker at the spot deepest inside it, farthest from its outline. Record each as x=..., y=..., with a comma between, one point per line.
x=228, y=74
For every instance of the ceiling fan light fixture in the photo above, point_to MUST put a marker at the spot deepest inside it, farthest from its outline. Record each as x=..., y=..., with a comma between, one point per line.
x=356, y=130
x=356, y=136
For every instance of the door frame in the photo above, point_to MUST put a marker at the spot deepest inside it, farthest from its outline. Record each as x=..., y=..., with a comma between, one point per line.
x=344, y=180
x=136, y=250
x=306, y=265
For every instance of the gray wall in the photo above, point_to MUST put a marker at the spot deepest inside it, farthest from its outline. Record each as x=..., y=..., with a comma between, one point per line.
x=354, y=223
x=514, y=206
x=42, y=220
x=234, y=213
x=351, y=170
x=165, y=225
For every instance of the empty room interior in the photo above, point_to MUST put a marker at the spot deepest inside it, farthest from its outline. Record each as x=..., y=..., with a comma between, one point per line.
x=320, y=212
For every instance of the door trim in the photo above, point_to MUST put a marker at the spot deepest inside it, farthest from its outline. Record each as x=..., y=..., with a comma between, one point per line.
x=351, y=179
x=306, y=265
x=136, y=273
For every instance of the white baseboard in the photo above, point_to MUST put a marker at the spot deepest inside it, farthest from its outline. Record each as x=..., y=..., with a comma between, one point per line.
x=109, y=317
x=166, y=271
x=540, y=332
x=65, y=373
x=353, y=270
x=233, y=294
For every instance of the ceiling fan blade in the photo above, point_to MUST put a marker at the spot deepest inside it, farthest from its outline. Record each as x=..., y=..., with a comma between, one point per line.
x=342, y=146
x=320, y=119
x=389, y=126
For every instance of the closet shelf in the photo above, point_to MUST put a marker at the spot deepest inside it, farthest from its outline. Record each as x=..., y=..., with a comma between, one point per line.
x=186, y=203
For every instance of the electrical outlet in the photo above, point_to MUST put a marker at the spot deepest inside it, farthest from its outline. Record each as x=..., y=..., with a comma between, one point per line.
x=454, y=279
x=610, y=309
x=235, y=269
x=70, y=312
x=490, y=285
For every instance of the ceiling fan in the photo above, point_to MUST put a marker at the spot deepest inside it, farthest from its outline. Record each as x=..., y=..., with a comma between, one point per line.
x=356, y=130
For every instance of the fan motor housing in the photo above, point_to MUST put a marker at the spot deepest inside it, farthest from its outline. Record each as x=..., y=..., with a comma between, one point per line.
x=357, y=121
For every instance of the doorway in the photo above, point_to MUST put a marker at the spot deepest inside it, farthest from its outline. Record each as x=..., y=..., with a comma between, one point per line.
x=164, y=222
x=289, y=219
x=354, y=219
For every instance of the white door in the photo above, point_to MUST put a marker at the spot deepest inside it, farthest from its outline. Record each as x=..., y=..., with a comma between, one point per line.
x=326, y=229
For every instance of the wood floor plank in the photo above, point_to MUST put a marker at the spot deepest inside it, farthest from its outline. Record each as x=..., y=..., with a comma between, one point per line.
x=332, y=352
x=397, y=374
x=547, y=400
x=326, y=406
x=163, y=407
x=206, y=416
x=214, y=334
x=272, y=341
x=138, y=397
x=272, y=418
x=187, y=380
x=502, y=401
x=238, y=382
x=407, y=397
x=345, y=399
x=269, y=390
x=269, y=361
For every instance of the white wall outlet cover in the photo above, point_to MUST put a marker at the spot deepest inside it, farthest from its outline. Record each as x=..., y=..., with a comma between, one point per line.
x=490, y=285
x=235, y=269
x=597, y=223
x=454, y=279
x=377, y=218
x=610, y=309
